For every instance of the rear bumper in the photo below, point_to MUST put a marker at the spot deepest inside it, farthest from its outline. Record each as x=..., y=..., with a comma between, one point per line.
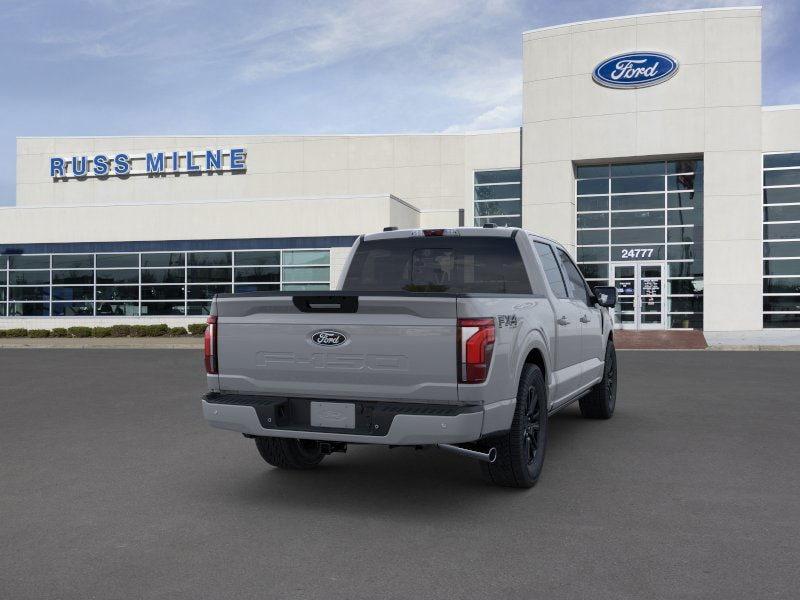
x=400, y=424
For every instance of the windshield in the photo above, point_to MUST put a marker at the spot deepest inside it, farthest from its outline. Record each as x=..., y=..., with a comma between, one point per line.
x=454, y=265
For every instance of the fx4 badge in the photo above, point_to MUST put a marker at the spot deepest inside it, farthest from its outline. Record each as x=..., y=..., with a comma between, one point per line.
x=328, y=337
x=507, y=321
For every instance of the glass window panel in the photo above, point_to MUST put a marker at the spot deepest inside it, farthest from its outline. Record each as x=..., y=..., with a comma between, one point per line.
x=593, y=220
x=681, y=269
x=2, y=294
x=499, y=221
x=242, y=274
x=86, y=277
x=306, y=274
x=257, y=258
x=782, y=249
x=243, y=288
x=73, y=261
x=209, y=259
x=782, y=231
x=117, y=309
x=78, y=292
x=29, y=277
x=25, y=261
x=787, y=320
x=782, y=267
x=209, y=275
x=502, y=176
x=782, y=303
x=118, y=292
x=693, y=304
x=198, y=308
x=684, y=166
x=116, y=261
x=648, y=168
x=637, y=236
x=788, y=177
x=506, y=207
x=552, y=271
x=3, y=309
x=782, y=195
x=162, y=292
x=3, y=262
x=637, y=184
x=593, y=203
x=680, y=234
x=118, y=276
x=637, y=219
x=637, y=202
x=163, y=275
x=491, y=192
x=684, y=286
x=162, y=309
x=574, y=278
x=164, y=259
x=73, y=309
x=28, y=309
x=592, y=186
x=683, y=217
x=683, y=182
x=789, y=159
x=593, y=236
x=678, y=252
x=782, y=213
x=306, y=257
x=593, y=254
x=2, y=277
x=782, y=285
x=305, y=287
x=207, y=292
x=686, y=321
x=29, y=293
x=685, y=199
x=594, y=271
x=586, y=171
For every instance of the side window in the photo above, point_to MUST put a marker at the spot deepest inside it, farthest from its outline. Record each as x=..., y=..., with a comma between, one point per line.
x=551, y=270
x=574, y=277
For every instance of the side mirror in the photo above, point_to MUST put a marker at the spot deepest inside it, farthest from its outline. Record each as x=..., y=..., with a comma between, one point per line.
x=606, y=295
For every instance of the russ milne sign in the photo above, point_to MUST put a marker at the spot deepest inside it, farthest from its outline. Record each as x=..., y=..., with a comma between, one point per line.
x=151, y=163
x=635, y=70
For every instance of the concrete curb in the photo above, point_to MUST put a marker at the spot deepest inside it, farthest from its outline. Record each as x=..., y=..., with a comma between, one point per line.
x=159, y=343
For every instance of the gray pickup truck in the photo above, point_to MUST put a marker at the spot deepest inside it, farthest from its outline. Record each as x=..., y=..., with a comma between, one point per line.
x=465, y=339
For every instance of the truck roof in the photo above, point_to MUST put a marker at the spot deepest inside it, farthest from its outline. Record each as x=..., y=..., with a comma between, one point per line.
x=501, y=232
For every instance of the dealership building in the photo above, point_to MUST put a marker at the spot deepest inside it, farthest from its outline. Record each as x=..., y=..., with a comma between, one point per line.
x=644, y=149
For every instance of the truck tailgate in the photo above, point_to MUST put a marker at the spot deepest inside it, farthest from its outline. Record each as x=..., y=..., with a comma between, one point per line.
x=376, y=347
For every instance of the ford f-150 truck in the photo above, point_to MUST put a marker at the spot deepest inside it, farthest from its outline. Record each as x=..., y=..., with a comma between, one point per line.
x=466, y=339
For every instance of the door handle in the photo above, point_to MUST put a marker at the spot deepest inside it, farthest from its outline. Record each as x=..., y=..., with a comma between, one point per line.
x=563, y=321
x=584, y=319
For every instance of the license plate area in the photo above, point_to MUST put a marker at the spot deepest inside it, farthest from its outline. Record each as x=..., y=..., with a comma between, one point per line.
x=336, y=415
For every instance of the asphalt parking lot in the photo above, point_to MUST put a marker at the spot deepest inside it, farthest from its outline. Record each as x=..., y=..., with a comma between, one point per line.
x=112, y=486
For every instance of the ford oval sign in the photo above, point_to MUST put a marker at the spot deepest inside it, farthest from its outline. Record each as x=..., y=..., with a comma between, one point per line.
x=328, y=338
x=635, y=70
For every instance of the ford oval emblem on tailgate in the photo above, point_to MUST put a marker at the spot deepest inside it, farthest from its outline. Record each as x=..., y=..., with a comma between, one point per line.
x=328, y=337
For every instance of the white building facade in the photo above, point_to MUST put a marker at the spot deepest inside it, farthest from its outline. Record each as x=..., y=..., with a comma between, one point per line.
x=661, y=171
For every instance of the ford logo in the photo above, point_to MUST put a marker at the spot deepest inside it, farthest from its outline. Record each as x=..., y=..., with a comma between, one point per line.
x=635, y=70
x=328, y=337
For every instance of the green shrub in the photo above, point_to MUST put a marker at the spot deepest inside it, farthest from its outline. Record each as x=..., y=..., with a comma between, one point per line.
x=38, y=333
x=101, y=332
x=138, y=330
x=80, y=332
x=197, y=328
x=59, y=332
x=17, y=332
x=120, y=330
x=157, y=330
x=2, y=333
x=177, y=331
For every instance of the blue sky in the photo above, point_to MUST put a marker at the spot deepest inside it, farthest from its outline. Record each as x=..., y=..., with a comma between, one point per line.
x=154, y=67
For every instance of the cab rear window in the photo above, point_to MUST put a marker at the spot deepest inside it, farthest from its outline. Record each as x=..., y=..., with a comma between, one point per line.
x=468, y=265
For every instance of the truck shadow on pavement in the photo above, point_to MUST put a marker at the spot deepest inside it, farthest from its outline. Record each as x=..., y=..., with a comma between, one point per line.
x=375, y=480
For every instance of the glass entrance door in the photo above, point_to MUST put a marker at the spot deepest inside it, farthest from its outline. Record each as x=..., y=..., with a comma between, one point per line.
x=640, y=295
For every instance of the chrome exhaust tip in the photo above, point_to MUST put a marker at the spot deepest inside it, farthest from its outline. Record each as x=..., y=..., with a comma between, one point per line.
x=487, y=457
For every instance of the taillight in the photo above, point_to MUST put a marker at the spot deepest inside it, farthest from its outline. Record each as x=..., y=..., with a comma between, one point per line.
x=210, y=346
x=475, y=345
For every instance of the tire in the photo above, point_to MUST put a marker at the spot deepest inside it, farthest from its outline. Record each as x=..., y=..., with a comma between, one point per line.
x=600, y=402
x=289, y=453
x=520, y=451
